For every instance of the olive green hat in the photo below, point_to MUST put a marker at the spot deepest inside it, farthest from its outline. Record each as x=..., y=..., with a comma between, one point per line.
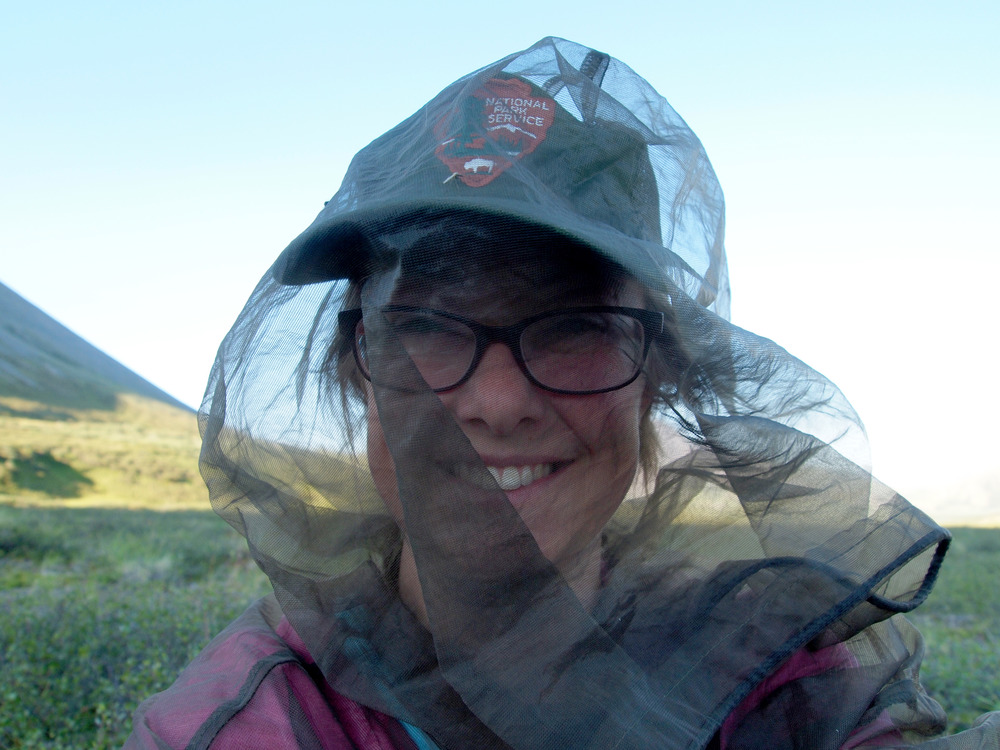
x=559, y=137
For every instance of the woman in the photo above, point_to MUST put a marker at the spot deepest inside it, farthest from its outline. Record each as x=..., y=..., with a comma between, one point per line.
x=517, y=482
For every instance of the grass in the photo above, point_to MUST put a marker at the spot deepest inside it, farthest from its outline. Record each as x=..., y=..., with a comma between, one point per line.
x=106, y=596
x=103, y=607
x=960, y=622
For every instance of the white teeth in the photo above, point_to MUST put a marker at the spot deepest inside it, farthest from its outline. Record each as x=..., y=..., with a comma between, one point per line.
x=508, y=477
x=512, y=477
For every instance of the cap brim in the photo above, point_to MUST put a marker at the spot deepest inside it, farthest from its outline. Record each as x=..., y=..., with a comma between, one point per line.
x=343, y=246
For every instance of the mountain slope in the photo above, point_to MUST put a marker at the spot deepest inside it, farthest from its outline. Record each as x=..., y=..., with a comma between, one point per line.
x=43, y=361
x=79, y=428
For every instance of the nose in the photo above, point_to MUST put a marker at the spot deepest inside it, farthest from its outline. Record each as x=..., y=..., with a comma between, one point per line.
x=497, y=396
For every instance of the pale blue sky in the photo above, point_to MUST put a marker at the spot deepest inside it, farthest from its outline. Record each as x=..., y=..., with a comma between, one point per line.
x=156, y=157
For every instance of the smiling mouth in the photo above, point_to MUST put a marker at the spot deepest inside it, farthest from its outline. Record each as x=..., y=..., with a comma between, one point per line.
x=510, y=477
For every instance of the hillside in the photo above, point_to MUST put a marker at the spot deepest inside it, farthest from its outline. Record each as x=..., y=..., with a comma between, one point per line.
x=43, y=361
x=141, y=454
x=79, y=428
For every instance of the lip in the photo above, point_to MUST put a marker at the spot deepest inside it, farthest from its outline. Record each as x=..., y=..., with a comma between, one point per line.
x=521, y=459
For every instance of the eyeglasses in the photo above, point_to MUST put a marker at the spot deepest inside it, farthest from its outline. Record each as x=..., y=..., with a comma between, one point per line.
x=578, y=350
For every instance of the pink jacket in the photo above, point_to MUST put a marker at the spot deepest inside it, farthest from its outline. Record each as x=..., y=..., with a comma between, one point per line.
x=256, y=686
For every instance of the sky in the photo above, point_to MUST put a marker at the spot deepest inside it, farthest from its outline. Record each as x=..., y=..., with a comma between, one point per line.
x=156, y=158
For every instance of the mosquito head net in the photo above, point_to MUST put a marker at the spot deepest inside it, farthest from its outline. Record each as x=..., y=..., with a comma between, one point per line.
x=513, y=476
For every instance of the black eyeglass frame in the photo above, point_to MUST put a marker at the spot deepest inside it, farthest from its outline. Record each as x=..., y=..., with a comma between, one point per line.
x=510, y=336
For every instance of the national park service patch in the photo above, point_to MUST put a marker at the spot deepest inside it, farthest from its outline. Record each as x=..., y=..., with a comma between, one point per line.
x=489, y=131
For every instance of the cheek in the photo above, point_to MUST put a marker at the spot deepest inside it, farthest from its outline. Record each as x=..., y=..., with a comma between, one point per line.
x=618, y=446
x=608, y=425
x=380, y=463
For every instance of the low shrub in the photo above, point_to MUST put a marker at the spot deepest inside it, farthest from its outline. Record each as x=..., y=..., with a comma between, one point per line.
x=104, y=607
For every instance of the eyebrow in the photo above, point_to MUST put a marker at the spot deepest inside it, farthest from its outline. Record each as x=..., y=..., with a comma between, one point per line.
x=553, y=292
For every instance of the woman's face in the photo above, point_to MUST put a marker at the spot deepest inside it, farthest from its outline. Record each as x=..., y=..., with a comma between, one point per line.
x=565, y=462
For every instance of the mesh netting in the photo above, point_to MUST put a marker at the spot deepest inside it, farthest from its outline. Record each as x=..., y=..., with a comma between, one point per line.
x=497, y=562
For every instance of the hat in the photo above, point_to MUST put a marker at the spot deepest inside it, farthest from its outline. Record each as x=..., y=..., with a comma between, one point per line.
x=559, y=137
